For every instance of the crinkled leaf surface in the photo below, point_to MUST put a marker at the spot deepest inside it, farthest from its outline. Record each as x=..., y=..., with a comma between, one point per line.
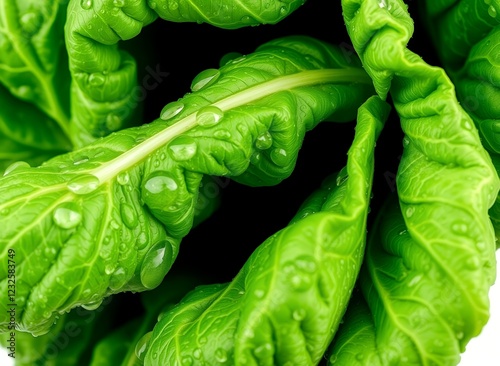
x=471, y=57
x=34, y=83
x=226, y=14
x=109, y=217
x=431, y=259
x=285, y=304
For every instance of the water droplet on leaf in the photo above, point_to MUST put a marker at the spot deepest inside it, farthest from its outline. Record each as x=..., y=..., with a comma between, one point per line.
x=86, y=4
x=171, y=110
x=83, y=184
x=209, y=116
x=129, y=216
x=222, y=134
x=18, y=165
x=67, y=215
x=156, y=264
x=204, y=79
x=264, y=141
x=123, y=178
x=279, y=157
x=141, y=346
x=182, y=148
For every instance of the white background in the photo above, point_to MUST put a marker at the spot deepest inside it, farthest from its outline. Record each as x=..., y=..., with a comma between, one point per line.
x=483, y=350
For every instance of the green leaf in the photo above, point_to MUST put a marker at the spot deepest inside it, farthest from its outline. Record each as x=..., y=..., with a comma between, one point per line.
x=34, y=83
x=286, y=302
x=109, y=217
x=27, y=134
x=69, y=342
x=438, y=238
x=472, y=58
x=104, y=78
x=126, y=345
x=226, y=14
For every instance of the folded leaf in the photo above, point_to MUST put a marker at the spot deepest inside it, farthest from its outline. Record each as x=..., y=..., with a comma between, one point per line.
x=431, y=259
x=109, y=217
x=471, y=57
x=226, y=14
x=104, y=92
x=285, y=304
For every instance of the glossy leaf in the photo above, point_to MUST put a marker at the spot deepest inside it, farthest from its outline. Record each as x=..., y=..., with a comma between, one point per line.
x=438, y=238
x=109, y=217
x=285, y=304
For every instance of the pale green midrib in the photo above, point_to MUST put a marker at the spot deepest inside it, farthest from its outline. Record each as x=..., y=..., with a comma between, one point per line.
x=54, y=109
x=108, y=171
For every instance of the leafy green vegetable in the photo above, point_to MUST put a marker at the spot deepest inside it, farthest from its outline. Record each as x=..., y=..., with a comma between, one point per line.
x=70, y=341
x=285, y=304
x=438, y=238
x=226, y=13
x=34, y=83
x=471, y=57
x=109, y=217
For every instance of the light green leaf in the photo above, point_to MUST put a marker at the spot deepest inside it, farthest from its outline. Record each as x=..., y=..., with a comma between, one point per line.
x=285, y=304
x=226, y=14
x=109, y=217
x=431, y=259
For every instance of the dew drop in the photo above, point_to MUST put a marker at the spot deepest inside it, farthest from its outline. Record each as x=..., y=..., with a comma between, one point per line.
x=119, y=3
x=182, y=148
x=410, y=211
x=406, y=141
x=141, y=346
x=142, y=240
x=298, y=279
x=359, y=357
x=283, y=11
x=67, y=215
x=209, y=116
x=118, y=279
x=86, y=4
x=220, y=355
x=414, y=280
x=459, y=227
x=279, y=157
x=152, y=4
x=24, y=92
x=259, y=293
x=92, y=305
x=255, y=158
x=222, y=134
x=299, y=315
x=204, y=79
x=187, y=361
x=481, y=246
x=80, y=160
x=49, y=252
x=83, y=184
x=113, y=122
x=333, y=359
x=18, y=165
x=492, y=12
x=160, y=183
x=173, y=6
x=171, y=110
x=264, y=141
x=109, y=268
x=473, y=263
x=197, y=353
x=96, y=79
x=156, y=264
x=123, y=178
